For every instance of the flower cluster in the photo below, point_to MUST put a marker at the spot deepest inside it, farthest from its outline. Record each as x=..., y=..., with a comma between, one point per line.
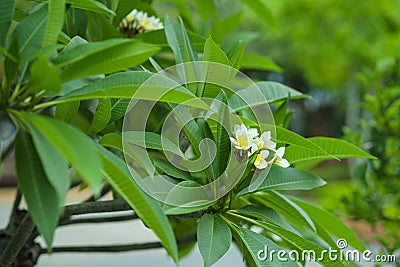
x=138, y=22
x=246, y=139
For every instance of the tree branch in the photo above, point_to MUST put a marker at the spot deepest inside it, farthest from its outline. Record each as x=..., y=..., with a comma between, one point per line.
x=96, y=207
x=14, y=210
x=17, y=241
x=118, y=248
x=69, y=221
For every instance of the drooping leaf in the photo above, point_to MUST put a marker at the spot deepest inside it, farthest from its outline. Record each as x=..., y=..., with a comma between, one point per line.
x=334, y=147
x=214, y=238
x=331, y=223
x=288, y=179
x=101, y=116
x=147, y=208
x=259, y=62
x=54, y=165
x=6, y=15
x=38, y=192
x=73, y=145
x=55, y=21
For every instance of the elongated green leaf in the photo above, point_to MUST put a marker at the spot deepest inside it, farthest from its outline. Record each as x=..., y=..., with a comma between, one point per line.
x=44, y=76
x=90, y=5
x=6, y=15
x=54, y=165
x=331, y=223
x=38, y=192
x=66, y=111
x=171, y=170
x=214, y=238
x=147, y=208
x=118, y=108
x=335, y=147
x=236, y=54
x=286, y=208
x=73, y=145
x=259, y=62
x=262, y=12
x=11, y=61
x=288, y=179
x=55, y=21
x=259, y=248
x=272, y=92
x=30, y=33
x=126, y=85
x=213, y=53
x=222, y=138
x=103, y=57
x=101, y=117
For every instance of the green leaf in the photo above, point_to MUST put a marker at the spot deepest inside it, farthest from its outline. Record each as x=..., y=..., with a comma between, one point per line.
x=255, y=243
x=119, y=108
x=55, y=21
x=262, y=12
x=222, y=137
x=73, y=145
x=126, y=85
x=259, y=62
x=286, y=208
x=101, y=116
x=179, y=41
x=44, y=76
x=236, y=55
x=66, y=111
x=288, y=179
x=89, y=5
x=11, y=62
x=331, y=223
x=214, y=238
x=38, y=192
x=147, y=208
x=30, y=33
x=272, y=92
x=54, y=165
x=213, y=53
x=102, y=57
x=334, y=147
x=6, y=15
x=171, y=170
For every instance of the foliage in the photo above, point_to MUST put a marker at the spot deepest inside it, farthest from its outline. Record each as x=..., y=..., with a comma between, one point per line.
x=375, y=197
x=67, y=75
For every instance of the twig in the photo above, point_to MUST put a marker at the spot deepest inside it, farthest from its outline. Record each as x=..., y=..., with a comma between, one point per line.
x=69, y=221
x=17, y=241
x=96, y=207
x=106, y=188
x=118, y=248
x=14, y=210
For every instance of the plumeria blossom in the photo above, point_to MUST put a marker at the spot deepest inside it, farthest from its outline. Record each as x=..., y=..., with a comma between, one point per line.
x=246, y=140
x=138, y=22
x=260, y=161
x=279, y=160
x=243, y=137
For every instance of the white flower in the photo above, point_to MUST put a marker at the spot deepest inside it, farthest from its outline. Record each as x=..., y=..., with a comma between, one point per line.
x=139, y=21
x=260, y=161
x=279, y=160
x=263, y=142
x=243, y=137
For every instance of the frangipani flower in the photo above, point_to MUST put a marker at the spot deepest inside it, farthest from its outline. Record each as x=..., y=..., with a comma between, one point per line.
x=279, y=160
x=263, y=142
x=138, y=22
x=243, y=137
x=260, y=161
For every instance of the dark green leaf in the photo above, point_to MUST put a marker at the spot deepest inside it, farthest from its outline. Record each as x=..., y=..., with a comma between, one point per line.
x=44, y=76
x=214, y=238
x=101, y=116
x=38, y=192
x=55, y=21
x=6, y=15
x=66, y=111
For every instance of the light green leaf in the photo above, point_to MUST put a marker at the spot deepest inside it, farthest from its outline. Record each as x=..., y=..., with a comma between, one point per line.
x=147, y=208
x=236, y=55
x=222, y=137
x=73, y=145
x=30, y=33
x=272, y=92
x=101, y=116
x=66, y=111
x=255, y=242
x=214, y=238
x=286, y=208
x=6, y=15
x=334, y=147
x=171, y=170
x=55, y=21
x=44, y=76
x=213, y=53
x=280, y=178
x=262, y=12
x=331, y=223
x=89, y=5
x=259, y=62
x=119, y=108
x=38, y=192
x=54, y=165
x=103, y=57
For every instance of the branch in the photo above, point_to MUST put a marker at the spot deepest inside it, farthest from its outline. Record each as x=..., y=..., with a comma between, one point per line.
x=119, y=248
x=106, y=188
x=17, y=241
x=96, y=207
x=14, y=210
x=69, y=221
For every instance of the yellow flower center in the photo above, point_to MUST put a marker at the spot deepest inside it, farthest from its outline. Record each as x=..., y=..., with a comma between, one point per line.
x=258, y=160
x=243, y=141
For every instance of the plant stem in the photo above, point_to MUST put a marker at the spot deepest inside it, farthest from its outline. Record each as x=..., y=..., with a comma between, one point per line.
x=14, y=210
x=69, y=221
x=17, y=241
